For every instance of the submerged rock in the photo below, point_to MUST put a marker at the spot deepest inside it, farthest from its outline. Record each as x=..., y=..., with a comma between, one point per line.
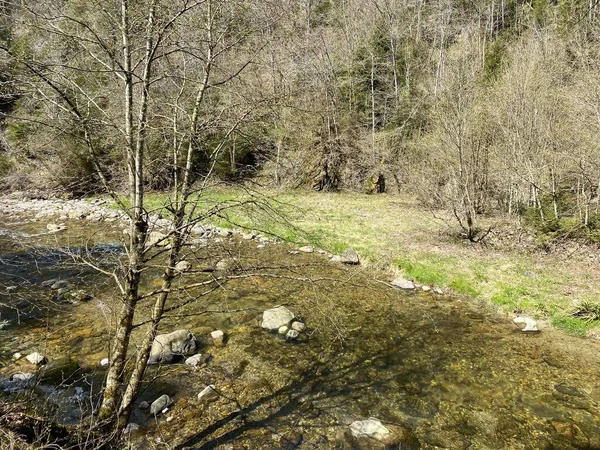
x=349, y=256
x=183, y=266
x=403, y=283
x=275, y=318
x=227, y=264
x=208, y=394
x=160, y=403
x=218, y=338
x=526, y=324
x=371, y=428
x=167, y=347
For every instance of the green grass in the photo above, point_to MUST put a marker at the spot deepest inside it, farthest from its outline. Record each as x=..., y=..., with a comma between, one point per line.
x=394, y=233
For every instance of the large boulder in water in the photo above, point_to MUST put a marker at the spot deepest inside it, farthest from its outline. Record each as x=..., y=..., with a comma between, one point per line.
x=169, y=347
x=275, y=318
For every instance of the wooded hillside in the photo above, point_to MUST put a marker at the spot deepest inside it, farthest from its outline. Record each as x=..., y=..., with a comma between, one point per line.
x=477, y=106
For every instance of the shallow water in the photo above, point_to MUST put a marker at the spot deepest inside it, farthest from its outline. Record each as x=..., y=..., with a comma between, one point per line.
x=438, y=370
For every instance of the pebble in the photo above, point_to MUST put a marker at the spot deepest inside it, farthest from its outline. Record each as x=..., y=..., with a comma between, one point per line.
x=306, y=249
x=292, y=335
x=403, y=283
x=36, y=358
x=298, y=326
x=218, y=337
x=104, y=362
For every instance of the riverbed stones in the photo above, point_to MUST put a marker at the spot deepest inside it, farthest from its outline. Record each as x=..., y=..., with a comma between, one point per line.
x=183, y=266
x=208, y=394
x=526, y=324
x=60, y=284
x=218, y=338
x=226, y=264
x=371, y=428
x=166, y=348
x=291, y=335
x=162, y=402
x=36, y=358
x=298, y=326
x=349, y=256
x=277, y=317
x=403, y=283
x=194, y=361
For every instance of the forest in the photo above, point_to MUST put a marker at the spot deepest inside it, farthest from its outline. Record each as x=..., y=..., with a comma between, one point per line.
x=478, y=107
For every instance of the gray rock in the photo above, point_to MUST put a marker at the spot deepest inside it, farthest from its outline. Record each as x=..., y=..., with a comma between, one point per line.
x=60, y=284
x=36, y=358
x=283, y=330
x=183, y=266
x=426, y=288
x=49, y=283
x=371, y=428
x=349, y=256
x=104, y=362
x=162, y=402
x=298, y=326
x=403, y=283
x=275, y=318
x=306, y=249
x=166, y=347
x=291, y=335
x=22, y=377
x=437, y=290
x=131, y=429
x=218, y=337
x=208, y=394
x=144, y=405
x=227, y=264
x=194, y=361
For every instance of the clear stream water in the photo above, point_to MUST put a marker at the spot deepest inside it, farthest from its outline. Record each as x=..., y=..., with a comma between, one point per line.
x=439, y=371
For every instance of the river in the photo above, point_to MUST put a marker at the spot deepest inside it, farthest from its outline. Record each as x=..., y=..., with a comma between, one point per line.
x=437, y=370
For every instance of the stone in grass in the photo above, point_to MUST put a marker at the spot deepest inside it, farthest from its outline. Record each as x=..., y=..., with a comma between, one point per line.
x=306, y=249
x=275, y=318
x=349, y=256
x=283, y=330
x=371, y=428
x=426, y=288
x=526, y=324
x=218, y=338
x=36, y=358
x=104, y=362
x=160, y=404
x=208, y=394
x=403, y=283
